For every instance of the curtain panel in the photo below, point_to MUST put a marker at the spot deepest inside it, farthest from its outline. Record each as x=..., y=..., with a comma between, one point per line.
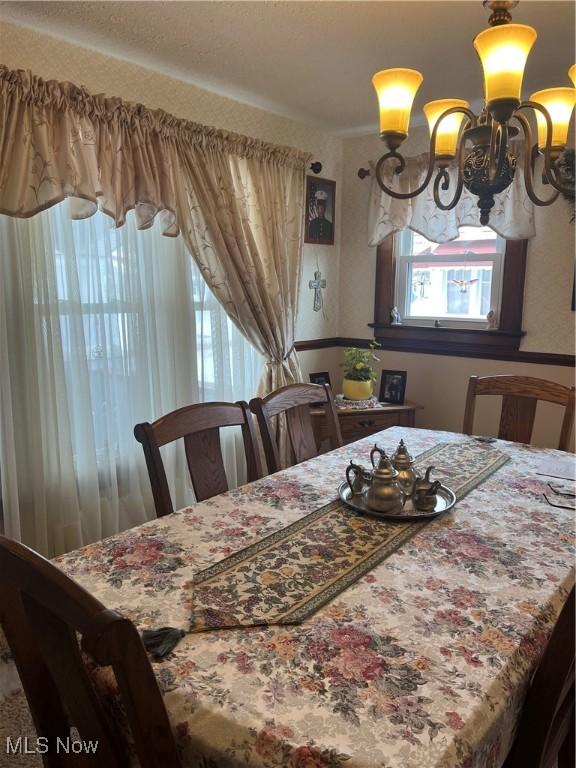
x=242, y=219
x=512, y=216
x=238, y=201
x=100, y=329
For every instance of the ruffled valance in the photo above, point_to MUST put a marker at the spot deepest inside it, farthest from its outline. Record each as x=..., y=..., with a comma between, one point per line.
x=57, y=140
x=512, y=216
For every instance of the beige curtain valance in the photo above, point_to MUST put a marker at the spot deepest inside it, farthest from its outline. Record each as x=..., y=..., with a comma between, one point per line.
x=57, y=140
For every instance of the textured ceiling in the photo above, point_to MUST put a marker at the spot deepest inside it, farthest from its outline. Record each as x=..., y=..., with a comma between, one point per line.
x=312, y=61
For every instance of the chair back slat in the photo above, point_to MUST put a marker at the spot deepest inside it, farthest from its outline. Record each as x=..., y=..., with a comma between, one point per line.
x=301, y=433
x=206, y=463
x=43, y=697
x=56, y=631
x=294, y=401
x=517, y=418
x=520, y=395
x=199, y=425
x=58, y=645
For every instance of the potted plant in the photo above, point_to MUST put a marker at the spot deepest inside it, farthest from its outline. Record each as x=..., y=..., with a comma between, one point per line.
x=359, y=373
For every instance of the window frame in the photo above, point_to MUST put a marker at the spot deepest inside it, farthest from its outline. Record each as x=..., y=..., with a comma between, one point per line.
x=450, y=340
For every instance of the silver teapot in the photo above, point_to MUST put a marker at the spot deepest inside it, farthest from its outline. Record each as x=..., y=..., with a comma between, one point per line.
x=404, y=463
x=385, y=493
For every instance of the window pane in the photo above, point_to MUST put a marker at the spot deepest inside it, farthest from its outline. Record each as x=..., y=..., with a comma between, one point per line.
x=450, y=289
x=451, y=280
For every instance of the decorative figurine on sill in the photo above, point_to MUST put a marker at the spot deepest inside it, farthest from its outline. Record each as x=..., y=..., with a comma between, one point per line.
x=492, y=321
x=395, y=318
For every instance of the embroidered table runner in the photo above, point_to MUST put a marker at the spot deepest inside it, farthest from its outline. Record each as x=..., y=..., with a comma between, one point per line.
x=289, y=575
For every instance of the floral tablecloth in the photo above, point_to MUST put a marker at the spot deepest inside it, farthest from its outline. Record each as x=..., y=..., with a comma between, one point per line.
x=423, y=663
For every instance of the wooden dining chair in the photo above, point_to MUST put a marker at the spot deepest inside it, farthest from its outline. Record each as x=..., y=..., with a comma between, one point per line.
x=52, y=624
x=199, y=425
x=294, y=401
x=545, y=735
x=520, y=395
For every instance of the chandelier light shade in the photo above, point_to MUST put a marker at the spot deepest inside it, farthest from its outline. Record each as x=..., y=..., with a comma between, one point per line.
x=448, y=128
x=480, y=144
x=503, y=51
x=396, y=89
x=559, y=103
x=572, y=74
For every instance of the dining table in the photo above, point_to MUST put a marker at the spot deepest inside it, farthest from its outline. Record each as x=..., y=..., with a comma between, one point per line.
x=423, y=660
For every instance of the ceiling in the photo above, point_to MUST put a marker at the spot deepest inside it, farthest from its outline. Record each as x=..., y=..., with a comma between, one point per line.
x=311, y=61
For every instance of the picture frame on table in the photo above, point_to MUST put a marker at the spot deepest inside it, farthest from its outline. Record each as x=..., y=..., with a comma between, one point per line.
x=319, y=213
x=322, y=377
x=393, y=387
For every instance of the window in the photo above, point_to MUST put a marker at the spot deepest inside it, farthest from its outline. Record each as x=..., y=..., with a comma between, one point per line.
x=457, y=290
x=455, y=284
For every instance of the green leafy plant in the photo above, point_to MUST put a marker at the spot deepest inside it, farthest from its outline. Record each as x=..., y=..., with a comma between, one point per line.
x=358, y=363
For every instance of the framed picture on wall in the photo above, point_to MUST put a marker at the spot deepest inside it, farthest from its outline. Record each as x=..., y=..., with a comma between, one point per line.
x=322, y=377
x=393, y=387
x=320, y=210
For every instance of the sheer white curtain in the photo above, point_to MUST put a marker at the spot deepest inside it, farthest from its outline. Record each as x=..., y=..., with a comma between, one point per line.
x=101, y=328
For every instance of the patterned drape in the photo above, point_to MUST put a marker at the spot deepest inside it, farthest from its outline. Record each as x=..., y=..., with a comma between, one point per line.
x=237, y=201
x=242, y=219
x=512, y=216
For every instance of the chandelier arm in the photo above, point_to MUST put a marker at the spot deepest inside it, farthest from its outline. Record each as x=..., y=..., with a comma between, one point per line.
x=549, y=170
x=445, y=178
x=528, y=171
x=431, y=162
x=402, y=165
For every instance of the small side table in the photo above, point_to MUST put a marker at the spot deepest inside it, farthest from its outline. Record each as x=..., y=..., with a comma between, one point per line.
x=356, y=424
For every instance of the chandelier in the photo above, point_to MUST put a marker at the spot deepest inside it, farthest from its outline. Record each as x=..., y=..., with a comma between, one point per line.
x=481, y=144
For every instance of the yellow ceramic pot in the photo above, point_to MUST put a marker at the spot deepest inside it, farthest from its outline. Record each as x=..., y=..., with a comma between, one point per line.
x=356, y=390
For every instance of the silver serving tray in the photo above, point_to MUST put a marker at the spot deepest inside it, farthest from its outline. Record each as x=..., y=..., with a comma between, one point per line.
x=445, y=500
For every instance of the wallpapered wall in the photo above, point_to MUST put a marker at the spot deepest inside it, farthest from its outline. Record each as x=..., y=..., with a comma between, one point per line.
x=22, y=48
